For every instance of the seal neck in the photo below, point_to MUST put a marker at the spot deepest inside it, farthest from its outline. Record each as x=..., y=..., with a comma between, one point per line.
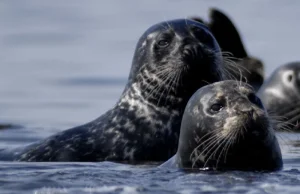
x=155, y=91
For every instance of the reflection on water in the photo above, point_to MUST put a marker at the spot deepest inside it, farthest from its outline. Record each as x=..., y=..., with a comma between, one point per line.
x=64, y=63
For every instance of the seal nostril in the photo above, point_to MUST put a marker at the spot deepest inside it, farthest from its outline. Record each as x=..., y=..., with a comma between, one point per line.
x=187, y=52
x=192, y=52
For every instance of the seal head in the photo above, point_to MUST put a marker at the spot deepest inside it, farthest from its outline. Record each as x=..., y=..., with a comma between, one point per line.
x=280, y=95
x=225, y=127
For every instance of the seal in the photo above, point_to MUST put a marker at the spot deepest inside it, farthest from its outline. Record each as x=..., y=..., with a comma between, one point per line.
x=225, y=127
x=4, y=126
x=247, y=68
x=172, y=60
x=280, y=94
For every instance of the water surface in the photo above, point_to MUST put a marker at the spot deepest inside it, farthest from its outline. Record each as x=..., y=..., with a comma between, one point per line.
x=64, y=63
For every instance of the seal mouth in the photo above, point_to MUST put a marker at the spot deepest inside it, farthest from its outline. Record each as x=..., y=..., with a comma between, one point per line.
x=218, y=148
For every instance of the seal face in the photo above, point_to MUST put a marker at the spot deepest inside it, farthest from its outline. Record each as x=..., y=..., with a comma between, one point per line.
x=280, y=95
x=243, y=67
x=225, y=127
x=171, y=61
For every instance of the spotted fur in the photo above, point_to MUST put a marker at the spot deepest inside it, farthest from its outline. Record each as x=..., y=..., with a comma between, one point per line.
x=144, y=124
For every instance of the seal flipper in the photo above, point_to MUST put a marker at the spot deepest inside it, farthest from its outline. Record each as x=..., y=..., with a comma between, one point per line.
x=226, y=33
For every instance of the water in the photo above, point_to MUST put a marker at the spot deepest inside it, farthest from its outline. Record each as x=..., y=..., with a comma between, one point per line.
x=64, y=63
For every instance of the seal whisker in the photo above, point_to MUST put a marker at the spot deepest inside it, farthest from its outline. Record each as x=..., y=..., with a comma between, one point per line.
x=287, y=120
x=169, y=26
x=273, y=115
x=228, y=143
x=223, y=140
x=167, y=82
x=292, y=113
x=166, y=28
x=158, y=85
x=213, y=154
x=242, y=131
x=210, y=143
x=224, y=143
x=207, y=134
x=229, y=75
x=233, y=66
x=205, y=81
x=172, y=83
x=176, y=80
x=231, y=142
x=282, y=125
x=186, y=21
x=294, y=119
x=179, y=78
x=156, y=88
x=285, y=110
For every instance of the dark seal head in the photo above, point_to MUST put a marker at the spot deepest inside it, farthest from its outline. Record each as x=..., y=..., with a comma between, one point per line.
x=225, y=127
x=280, y=95
x=243, y=67
x=171, y=61
x=177, y=46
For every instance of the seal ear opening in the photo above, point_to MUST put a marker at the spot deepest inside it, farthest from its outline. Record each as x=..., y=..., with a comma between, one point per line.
x=226, y=33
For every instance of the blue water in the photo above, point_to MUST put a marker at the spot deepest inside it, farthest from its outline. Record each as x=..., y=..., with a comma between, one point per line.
x=64, y=63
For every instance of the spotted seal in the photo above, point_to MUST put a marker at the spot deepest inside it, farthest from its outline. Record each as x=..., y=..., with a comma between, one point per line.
x=281, y=96
x=229, y=39
x=225, y=127
x=171, y=61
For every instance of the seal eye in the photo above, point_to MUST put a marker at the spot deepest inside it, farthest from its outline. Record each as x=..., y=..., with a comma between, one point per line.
x=216, y=107
x=255, y=100
x=163, y=43
x=290, y=78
